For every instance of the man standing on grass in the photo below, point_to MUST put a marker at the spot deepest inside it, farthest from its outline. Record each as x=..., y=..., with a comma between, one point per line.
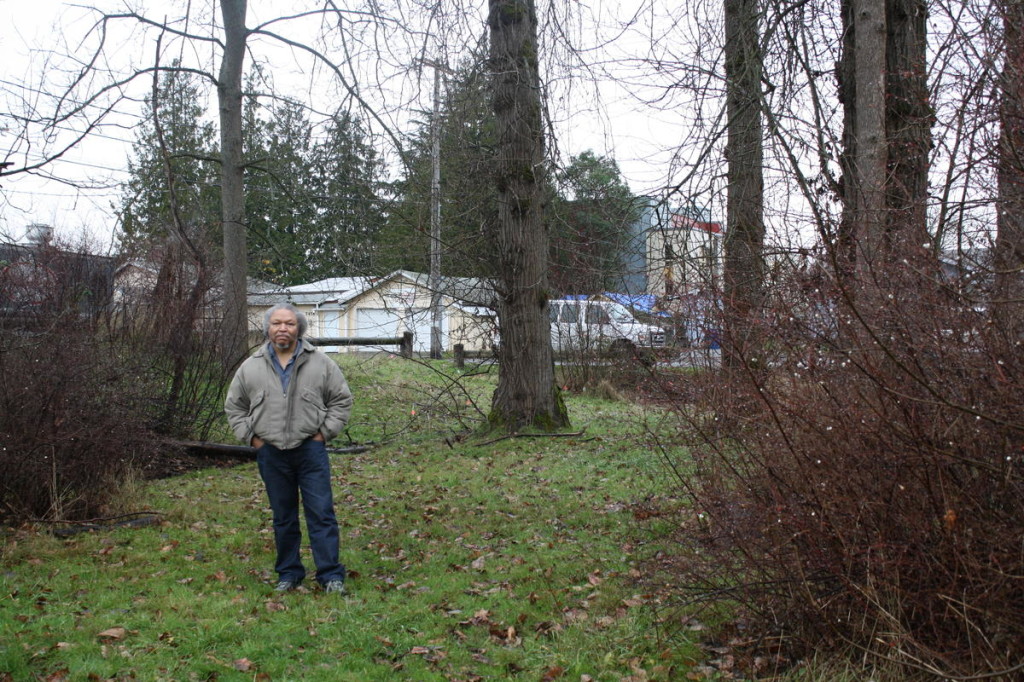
x=288, y=400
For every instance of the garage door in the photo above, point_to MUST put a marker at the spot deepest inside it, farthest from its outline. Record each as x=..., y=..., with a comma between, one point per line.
x=376, y=322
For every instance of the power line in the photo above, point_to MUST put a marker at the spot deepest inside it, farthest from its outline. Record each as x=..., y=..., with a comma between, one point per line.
x=78, y=194
x=86, y=164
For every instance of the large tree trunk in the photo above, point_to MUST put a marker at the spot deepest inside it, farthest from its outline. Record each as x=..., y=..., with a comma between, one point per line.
x=526, y=395
x=887, y=139
x=744, y=237
x=840, y=245
x=870, y=158
x=229, y=96
x=1008, y=293
x=908, y=120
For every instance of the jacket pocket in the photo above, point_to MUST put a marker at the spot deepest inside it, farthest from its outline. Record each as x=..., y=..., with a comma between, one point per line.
x=312, y=413
x=257, y=407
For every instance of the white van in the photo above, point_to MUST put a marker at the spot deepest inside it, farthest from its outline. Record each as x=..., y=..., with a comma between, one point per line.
x=599, y=326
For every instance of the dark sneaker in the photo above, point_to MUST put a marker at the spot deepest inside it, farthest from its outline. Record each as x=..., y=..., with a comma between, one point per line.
x=335, y=586
x=285, y=586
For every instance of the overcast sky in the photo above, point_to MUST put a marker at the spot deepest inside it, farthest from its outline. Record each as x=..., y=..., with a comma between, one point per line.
x=603, y=121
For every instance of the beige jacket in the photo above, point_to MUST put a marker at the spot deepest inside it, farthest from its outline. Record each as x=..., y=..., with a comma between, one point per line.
x=318, y=399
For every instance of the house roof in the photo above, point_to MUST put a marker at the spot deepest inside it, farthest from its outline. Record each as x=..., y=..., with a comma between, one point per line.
x=469, y=290
x=341, y=290
x=332, y=286
x=681, y=221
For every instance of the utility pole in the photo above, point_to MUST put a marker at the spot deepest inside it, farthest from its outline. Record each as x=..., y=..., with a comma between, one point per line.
x=436, y=313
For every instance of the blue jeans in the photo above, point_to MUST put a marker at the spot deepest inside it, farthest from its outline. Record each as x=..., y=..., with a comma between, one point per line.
x=287, y=473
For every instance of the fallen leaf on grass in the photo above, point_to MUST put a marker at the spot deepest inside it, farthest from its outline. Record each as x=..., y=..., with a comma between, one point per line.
x=575, y=615
x=481, y=617
x=546, y=628
x=430, y=654
x=113, y=634
x=552, y=673
x=242, y=665
x=507, y=636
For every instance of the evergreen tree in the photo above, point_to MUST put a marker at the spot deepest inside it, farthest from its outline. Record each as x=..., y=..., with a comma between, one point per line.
x=314, y=206
x=185, y=165
x=468, y=195
x=348, y=185
x=280, y=205
x=590, y=220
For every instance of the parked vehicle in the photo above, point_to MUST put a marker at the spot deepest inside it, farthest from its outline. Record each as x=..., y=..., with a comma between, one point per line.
x=599, y=326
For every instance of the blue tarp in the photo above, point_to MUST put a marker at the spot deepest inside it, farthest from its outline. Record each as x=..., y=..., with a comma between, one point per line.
x=639, y=302
x=643, y=303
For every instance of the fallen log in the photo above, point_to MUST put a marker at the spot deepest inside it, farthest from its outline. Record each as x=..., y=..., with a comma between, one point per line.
x=207, y=449
x=75, y=527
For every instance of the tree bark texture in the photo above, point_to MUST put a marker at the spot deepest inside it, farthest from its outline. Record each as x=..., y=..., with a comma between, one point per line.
x=1008, y=294
x=842, y=252
x=870, y=158
x=526, y=395
x=908, y=121
x=229, y=97
x=744, y=238
x=887, y=139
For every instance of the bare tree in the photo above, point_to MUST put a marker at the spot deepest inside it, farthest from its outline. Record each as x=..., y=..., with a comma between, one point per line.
x=526, y=395
x=232, y=196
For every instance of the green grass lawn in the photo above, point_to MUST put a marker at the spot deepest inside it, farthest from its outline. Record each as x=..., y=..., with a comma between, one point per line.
x=514, y=558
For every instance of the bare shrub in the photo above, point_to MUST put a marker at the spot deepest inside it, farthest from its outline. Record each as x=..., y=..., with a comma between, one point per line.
x=168, y=314
x=862, y=481
x=90, y=385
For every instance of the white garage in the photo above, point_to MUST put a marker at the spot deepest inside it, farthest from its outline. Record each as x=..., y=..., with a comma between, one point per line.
x=387, y=307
